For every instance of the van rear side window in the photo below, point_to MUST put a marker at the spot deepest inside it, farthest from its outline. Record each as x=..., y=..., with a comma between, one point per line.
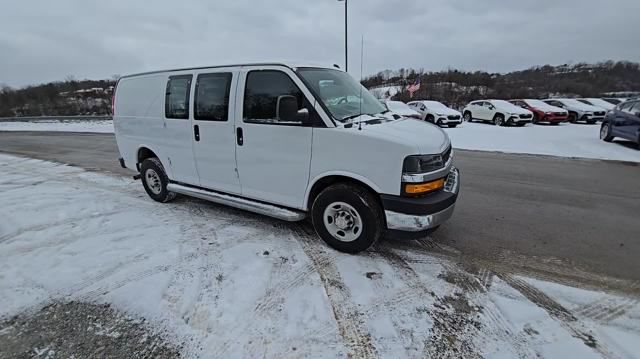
x=212, y=97
x=176, y=103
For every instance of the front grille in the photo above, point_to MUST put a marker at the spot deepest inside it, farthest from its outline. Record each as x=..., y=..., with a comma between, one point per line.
x=599, y=113
x=524, y=115
x=446, y=155
x=451, y=182
x=453, y=117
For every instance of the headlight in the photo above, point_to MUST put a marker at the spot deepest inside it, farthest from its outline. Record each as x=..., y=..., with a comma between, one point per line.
x=441, y=114
x=422, y=164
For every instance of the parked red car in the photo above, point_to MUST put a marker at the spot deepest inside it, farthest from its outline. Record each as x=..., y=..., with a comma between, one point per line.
x=543, y=112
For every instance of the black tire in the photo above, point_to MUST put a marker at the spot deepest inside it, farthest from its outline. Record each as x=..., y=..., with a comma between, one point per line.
x=430, y=118
x=535, y=118
x=468, y=117
x=573, y=117
x=498, y=120
x=155, y=180
x=365, y=204
x=605, y=132
x=452, y=125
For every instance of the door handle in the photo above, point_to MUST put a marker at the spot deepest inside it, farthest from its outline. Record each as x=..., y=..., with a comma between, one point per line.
x=196, y=132
x=239, y=137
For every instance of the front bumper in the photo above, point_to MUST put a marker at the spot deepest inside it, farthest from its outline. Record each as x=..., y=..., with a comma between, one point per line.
x=517, y=119
x=555, y=118
x=421, y=214
x=449, y=119
x=587, y=118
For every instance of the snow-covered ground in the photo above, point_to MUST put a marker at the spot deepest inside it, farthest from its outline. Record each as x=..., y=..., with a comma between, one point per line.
x=98, y=126
x=565, y=140
x=225, y=283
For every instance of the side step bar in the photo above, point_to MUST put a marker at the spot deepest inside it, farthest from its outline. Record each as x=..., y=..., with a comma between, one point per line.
x=239, y=202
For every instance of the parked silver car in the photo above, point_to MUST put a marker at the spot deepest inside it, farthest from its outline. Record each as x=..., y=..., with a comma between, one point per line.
x=578, y=111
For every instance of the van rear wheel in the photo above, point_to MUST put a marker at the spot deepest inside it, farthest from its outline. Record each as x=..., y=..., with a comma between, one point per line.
x=155, y=180
x=347, y=217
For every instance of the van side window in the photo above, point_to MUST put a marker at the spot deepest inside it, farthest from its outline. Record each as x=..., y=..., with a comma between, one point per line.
x=176, y=102
x=212, y=97
x=263, y=87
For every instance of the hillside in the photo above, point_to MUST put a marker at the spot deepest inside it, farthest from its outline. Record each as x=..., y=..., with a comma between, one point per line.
x=458, y=87
x=454, y=87
x=68, y=98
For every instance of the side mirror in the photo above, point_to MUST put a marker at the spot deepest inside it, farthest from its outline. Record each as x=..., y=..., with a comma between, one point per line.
x=302, y=116
x=287, y=110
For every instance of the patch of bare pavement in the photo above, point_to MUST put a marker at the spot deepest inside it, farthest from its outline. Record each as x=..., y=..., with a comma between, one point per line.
x=80, y=330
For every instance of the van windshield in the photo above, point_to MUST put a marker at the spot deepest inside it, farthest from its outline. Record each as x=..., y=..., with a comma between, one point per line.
x=341, y=94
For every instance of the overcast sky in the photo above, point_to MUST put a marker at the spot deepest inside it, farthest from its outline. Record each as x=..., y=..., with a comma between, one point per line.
x=45, y=40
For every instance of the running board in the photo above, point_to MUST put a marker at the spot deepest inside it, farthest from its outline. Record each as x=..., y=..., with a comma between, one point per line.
x=238, y=202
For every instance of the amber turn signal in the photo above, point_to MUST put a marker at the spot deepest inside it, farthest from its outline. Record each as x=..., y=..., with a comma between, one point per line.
x=418, y=188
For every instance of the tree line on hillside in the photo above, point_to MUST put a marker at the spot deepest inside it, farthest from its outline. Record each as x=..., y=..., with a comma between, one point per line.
x=64, y=98
x=453, y=87
x=457, y=88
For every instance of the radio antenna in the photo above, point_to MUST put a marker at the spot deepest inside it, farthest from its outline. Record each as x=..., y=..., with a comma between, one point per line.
x=361, y=61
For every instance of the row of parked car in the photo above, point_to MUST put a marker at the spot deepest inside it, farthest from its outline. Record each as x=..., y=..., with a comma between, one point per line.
x=620, y=118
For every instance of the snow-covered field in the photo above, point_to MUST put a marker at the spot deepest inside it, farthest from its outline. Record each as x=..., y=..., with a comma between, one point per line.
x=565, y=140
x=98, y=126
x=224, y=283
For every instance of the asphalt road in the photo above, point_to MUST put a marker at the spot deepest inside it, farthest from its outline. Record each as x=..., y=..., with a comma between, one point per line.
x=585, y=213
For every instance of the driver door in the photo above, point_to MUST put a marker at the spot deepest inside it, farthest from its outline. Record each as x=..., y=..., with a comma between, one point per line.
x=273, y=155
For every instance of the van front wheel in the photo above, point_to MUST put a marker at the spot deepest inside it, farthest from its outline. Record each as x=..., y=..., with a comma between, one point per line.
x=347, y=217
x=155, y=180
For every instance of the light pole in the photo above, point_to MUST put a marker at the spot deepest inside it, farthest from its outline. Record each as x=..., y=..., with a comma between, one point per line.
x=346, y=56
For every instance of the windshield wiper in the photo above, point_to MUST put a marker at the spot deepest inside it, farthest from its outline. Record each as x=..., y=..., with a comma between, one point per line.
x=354, y=116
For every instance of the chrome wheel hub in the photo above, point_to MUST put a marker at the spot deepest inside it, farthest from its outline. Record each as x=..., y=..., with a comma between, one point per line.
x=342, y=221
x=603, y=132
x=153, y=181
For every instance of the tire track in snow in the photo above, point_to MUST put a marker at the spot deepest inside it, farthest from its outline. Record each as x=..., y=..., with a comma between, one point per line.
x=606, y=310
x=39, y=227
x=93, y=294
x=210, y=271
x=349, y=319
x=474, y=283
x=559, y=313
x=451, y=333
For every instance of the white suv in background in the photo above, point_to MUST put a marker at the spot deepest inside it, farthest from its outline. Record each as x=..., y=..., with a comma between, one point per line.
x=437, y=113
x=578, y=111
x=498, y=112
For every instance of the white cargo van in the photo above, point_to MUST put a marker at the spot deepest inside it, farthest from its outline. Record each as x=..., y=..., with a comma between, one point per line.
x=289, y=142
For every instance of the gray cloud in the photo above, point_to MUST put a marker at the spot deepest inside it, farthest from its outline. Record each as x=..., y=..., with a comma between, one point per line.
x=47, y=40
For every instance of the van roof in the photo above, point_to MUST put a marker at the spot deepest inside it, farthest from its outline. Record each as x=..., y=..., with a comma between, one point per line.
x=291, y=65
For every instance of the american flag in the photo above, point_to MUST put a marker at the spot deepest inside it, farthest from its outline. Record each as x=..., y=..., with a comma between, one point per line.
x=414, y=87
